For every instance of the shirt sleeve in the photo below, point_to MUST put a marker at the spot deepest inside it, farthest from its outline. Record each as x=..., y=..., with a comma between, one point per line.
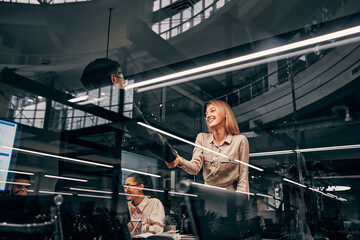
x=194, y=166
x=156, y=218
x=243, y=180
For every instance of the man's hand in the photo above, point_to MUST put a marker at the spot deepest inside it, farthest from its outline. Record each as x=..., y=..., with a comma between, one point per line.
x=177, y=162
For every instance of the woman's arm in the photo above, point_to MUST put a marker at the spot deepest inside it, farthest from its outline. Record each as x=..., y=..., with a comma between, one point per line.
x=243, y=180
x=194, y=166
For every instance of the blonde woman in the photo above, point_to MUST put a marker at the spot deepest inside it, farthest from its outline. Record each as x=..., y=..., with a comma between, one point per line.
x=224, y=137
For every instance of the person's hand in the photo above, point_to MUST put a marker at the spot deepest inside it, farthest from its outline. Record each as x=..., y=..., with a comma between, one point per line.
x=172, y=164
x=178, y=161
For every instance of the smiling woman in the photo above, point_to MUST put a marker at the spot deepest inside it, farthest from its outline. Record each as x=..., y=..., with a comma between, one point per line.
x=223, y=138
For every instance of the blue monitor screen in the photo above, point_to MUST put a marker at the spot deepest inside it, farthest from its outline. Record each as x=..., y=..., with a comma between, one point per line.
x=7, y=138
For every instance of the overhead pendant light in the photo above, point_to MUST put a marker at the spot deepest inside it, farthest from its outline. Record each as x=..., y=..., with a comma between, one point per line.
x=253, y=56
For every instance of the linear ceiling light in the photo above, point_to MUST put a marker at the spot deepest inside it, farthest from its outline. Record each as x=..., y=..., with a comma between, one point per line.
x=196, y=145
x=90, y=190
x=66, y=178
x=93, y=196
x=208, y=186
x=17, y=172
x=337, y=188
x=335, y=177
x=183, y=194
x=344, y=147
x=61, y=193
x=261, y=154
x=247, y=193
x=143, y=173
x=248, y=64
x=16, y=183
x=146, y=189
x=293, y=182
x=60, y=157
x=79, y=99
x=133, y=195
x=327, y=194
x=329, y=148
x=268, y=52
x=95, y=100
x=264, y=195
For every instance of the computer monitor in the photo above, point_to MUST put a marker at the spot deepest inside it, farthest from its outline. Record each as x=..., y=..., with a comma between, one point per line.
x=8, y=133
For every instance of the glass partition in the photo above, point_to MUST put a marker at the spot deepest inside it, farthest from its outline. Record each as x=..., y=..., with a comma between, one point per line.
x=131, y=161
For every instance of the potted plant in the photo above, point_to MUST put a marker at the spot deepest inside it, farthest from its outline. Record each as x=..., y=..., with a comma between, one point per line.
x=169, y=223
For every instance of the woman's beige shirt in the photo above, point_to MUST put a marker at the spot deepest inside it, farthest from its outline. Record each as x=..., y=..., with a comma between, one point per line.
x=219, y=170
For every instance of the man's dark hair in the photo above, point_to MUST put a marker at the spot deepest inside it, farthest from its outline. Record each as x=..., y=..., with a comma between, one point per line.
x=19, y=176
x=97, y=73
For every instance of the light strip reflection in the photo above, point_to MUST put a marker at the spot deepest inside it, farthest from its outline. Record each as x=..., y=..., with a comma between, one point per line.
x=208, y=186
x=133, y=195
x=61, y=193
x=183, y=194
x=66, y=178
x=146, y=189
x=60, y=157
x=16, y=183
x=144, y=173
x=293, y=182
x=17, y=172
x=93, y=196
x=90, y=190
x=237, y=60
x=249, y=64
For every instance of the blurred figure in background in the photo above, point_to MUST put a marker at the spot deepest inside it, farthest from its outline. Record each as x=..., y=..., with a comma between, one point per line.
x=20, y=185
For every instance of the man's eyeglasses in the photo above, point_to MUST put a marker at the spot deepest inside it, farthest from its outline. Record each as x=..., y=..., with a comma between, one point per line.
x=121, y=79
x=129, y=186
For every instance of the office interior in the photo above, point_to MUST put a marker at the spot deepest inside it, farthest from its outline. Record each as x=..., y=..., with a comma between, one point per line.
x=290, y=71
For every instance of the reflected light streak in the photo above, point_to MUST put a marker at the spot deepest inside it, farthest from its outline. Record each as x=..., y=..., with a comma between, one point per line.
x=329, y=148
x=146, y=189
x=293, y=182
x=16, y=183
x=208, y=186
x=90, y=190
x=61, y=193
x=249, y=64
x=66, y=178
x=252, y=56
x=78, y=99
x=261, y=154
x=183, y=194
x=144, y=173
x=93, y=196
x=264, y=195
x=247, y=193
x=196, y=145
x=17, y=172
x=133, y=195
x=59, y=157
x=340, y=177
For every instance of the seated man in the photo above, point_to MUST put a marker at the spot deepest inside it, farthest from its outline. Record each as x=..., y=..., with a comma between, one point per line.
x=147, y=214
x=20, y=185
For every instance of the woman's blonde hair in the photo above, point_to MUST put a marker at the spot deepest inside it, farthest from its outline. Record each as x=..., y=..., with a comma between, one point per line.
x=231, y=126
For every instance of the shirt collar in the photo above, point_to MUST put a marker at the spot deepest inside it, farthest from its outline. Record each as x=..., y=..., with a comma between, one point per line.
x=142, y=205
x=228, y=139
